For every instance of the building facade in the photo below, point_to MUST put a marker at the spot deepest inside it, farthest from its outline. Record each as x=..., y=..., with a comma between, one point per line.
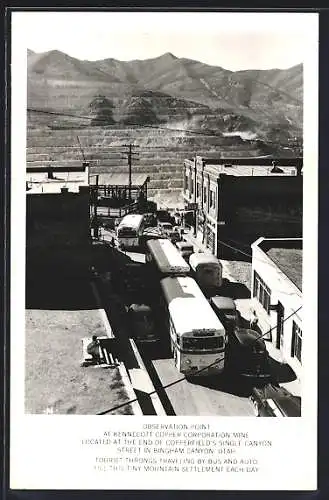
x=238, y=199
x=58, y=237
x=277, y=295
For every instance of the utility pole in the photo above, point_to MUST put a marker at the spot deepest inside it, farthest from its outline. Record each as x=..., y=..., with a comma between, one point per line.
x=95, y=208
x=130, y=154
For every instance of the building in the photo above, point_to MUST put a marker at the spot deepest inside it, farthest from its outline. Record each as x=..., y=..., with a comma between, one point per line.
x=58, y=237
x=277, y=295
x=237, y=199
x=54, y=179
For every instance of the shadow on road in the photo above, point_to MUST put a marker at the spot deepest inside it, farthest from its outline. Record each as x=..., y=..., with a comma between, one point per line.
x=228, y=383
x=233, y=290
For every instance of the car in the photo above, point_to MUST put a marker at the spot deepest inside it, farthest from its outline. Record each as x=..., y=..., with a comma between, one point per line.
x=150, y=220
x=247, y=354
x=185, y=248
x=226, y=311
x=166, y=227
x=275, y=401
x=175, y=235
x=141, y=322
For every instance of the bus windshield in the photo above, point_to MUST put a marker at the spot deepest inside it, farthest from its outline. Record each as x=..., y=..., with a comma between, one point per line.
x=202, y=344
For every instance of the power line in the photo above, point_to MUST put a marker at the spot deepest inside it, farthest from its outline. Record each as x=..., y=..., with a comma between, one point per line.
x=175, y=382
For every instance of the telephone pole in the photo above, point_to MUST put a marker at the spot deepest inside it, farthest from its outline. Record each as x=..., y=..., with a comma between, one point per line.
x=129, y=154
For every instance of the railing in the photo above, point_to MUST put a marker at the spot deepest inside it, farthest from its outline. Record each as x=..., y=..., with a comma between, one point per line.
x=117, y=212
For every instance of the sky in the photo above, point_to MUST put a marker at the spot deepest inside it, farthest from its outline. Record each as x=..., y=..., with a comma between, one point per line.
x=234, y=41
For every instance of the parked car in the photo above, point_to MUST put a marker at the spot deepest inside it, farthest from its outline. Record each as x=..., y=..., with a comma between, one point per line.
x=141, y=322
x=226, y=311
x=175, y=235
x=150, y=220
x=275, y=401
x=166, y=228
x=185, y=249
x=247, y=354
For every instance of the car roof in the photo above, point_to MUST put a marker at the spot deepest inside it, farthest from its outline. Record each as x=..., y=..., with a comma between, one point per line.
x=223, y=302
x=184, y=245
x=247, y=337
x=139, y=308
x=286, y=402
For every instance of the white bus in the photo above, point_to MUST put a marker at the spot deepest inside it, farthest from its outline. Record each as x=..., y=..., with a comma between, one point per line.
x=129, y=230
x=206, y=270
x=197, y=337
x=165, y=259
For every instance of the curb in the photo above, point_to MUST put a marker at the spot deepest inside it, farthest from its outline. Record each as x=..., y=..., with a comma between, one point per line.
x=140, y=380
x=130, y=390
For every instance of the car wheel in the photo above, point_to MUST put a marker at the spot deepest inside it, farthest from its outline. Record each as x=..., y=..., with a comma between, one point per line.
x=255, y=407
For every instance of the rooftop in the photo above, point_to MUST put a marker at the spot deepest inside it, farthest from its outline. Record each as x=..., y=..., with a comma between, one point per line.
x=287, y=254
x=39, y=182
x=252, y=170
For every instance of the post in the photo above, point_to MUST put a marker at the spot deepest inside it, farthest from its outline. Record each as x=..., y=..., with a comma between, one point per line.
x=95, y=208
x=129, y=166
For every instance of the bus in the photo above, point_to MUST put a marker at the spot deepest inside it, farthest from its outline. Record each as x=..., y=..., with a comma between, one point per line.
x=129, y=230
x=206, y=270
x=165, y=259
x=197, y=337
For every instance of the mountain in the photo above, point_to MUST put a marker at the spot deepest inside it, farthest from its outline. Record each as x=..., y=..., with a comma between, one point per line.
x=168, y=89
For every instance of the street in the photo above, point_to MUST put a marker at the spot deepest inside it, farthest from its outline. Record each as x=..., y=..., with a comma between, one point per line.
x=199, y=396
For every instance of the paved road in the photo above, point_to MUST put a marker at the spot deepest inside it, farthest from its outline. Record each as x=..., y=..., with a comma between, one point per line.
x=203, y=396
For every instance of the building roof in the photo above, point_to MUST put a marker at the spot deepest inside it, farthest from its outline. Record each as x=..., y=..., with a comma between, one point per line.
x=115, y=179
x=38, y=182
x=254, y=161
x=251, y=170
x=287, y=254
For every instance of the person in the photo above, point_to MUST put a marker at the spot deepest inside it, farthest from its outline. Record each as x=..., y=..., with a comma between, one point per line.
x=93, y=349
x=253, y=320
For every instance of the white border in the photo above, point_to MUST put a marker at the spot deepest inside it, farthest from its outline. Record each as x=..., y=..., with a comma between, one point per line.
x=45, y=451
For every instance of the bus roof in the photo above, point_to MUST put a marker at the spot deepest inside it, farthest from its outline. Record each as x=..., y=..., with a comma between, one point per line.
x=167, y=257
x=131, y=220
x=188, y=307
x=203, y=258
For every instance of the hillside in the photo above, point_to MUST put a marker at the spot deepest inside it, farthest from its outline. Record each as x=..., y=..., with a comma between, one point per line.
x=171, y=107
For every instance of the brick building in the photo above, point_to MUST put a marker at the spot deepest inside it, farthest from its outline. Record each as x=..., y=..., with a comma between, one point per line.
x=239, y=199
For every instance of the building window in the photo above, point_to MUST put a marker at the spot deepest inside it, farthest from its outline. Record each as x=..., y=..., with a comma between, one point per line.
x=205, y=194
x=212, y=199
x=185, y=181
x=296, y=342
x=262, y=292
x=192, y=187
x=198, y=189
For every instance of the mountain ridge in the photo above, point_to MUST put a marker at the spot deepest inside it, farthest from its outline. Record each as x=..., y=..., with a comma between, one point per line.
x=256, y=100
